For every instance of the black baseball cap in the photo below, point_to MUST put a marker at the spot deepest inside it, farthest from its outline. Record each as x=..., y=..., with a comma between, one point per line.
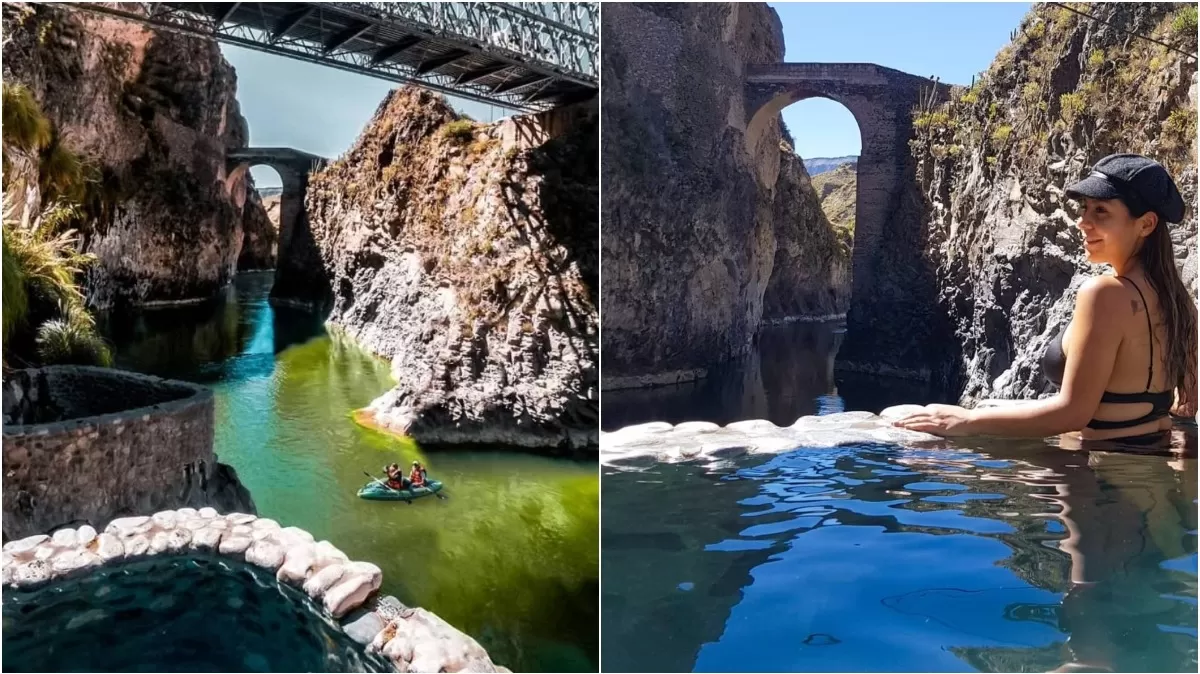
x=1142, y=183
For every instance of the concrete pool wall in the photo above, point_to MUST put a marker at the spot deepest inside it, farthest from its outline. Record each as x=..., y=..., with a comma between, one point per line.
x=87, y=444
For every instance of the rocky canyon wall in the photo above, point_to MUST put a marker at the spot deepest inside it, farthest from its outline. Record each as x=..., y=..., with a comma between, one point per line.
x=697, y=228
x=467, y=255
x=154, y=113
x=995, y=159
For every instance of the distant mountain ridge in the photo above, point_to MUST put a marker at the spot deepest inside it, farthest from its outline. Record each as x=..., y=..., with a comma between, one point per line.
x=819, y=165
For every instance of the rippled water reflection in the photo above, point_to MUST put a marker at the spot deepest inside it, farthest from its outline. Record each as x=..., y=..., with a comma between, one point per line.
x=510, y=557
x=996, y=556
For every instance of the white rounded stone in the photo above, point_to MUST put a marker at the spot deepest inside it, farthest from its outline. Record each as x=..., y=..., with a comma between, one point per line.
x=129, y=526
x=297, y=563
x=24, y=547
x=266, y=554
x=65, y=538
x=178, y=539
x=208, y=513
x=233, y=544
x=136, y=545
x=240, y=518
x=206, y=539
x=323, y=580
x=32, y=572
x=85, y=535
x=165, y=519
x=109, y=547
x=185, y=513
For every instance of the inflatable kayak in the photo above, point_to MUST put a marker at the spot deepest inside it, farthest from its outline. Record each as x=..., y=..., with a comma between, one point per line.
x=375, y=491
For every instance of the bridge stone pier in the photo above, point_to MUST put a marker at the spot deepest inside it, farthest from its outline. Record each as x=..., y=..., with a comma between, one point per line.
x=892, y=327
x=299, y=278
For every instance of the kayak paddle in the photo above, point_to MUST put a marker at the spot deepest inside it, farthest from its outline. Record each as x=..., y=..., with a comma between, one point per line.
x=385, y=486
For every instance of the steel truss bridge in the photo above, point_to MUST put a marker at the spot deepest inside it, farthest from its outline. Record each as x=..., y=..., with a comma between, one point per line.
x=527, y=56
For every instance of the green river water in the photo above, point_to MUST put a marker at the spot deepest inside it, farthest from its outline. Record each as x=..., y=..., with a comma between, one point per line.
x=510, y=556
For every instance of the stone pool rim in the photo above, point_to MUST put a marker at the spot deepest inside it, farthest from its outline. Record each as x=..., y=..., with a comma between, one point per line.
x=347, y=592
x=191, y=396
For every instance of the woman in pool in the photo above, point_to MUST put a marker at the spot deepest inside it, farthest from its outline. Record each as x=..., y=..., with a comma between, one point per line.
x=1127, y=359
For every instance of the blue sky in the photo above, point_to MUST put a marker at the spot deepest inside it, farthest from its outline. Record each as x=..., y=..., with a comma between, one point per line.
x=322, y=110
x=290, y=103
x=953, y=41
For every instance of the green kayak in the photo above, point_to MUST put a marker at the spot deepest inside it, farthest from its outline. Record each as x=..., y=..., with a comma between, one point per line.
x=376, y=491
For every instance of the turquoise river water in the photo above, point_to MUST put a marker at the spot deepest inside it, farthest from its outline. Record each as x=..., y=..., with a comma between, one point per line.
x=510, y=556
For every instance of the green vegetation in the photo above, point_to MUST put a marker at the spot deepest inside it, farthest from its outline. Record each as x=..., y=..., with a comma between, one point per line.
x=45, y=318
x=1095, y=59
x=1070, y=106
x=1001, y=134
x=934, y=121
x=459, y=130
x=1183, y=26
x=24, y=127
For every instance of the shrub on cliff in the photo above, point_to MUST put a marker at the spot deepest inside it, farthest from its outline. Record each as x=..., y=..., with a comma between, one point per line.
x=41, y=266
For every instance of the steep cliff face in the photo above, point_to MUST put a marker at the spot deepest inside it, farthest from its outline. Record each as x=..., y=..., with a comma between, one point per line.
x=995, y=159
x=154, y=114
x=810, y=276
x=838, y=191
x=688, y=212
x=467, y=255
x=260, y=233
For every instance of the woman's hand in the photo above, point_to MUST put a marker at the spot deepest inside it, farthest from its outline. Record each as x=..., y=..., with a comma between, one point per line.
x=944, y=420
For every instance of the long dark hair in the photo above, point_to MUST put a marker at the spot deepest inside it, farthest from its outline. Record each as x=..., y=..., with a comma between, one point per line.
x=1157, y=256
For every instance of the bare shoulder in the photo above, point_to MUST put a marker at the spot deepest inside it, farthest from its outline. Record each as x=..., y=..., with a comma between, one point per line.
x=1105, y=295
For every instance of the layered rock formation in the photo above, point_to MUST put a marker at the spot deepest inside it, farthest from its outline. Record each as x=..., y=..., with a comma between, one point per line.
x=995, y=159
x=155, y=114
x=467, y=255
x=692, y=218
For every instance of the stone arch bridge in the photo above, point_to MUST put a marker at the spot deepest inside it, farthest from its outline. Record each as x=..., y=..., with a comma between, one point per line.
x=891, y=326
x=297, y=256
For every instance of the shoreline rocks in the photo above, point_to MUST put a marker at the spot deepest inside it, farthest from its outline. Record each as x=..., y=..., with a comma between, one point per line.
x=413, y=639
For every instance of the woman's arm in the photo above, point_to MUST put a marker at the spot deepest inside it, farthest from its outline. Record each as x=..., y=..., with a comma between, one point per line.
x=1101, y=312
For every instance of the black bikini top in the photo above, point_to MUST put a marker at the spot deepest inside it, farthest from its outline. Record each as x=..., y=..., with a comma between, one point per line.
x=1054, y=364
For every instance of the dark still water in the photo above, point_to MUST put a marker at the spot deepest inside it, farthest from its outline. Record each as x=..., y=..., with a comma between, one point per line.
x=510, y=557
x=790, y=374
x=995, y=556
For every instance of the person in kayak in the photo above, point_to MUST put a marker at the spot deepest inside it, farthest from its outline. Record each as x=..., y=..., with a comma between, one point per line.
x=395, y=477
x=416, y=477
x=1127, y=359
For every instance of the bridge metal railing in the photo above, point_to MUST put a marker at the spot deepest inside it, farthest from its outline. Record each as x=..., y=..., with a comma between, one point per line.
x=560, y=35
x=520, y=55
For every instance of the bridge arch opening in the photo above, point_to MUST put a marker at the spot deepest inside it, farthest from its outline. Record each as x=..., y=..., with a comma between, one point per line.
x=827, y=138
x=893, y=325
x=812, y=274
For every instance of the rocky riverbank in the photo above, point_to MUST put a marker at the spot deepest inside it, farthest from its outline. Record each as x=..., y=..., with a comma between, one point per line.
x=703, y=238
x=152, y=115
x=995, y=159
x=466, y=254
